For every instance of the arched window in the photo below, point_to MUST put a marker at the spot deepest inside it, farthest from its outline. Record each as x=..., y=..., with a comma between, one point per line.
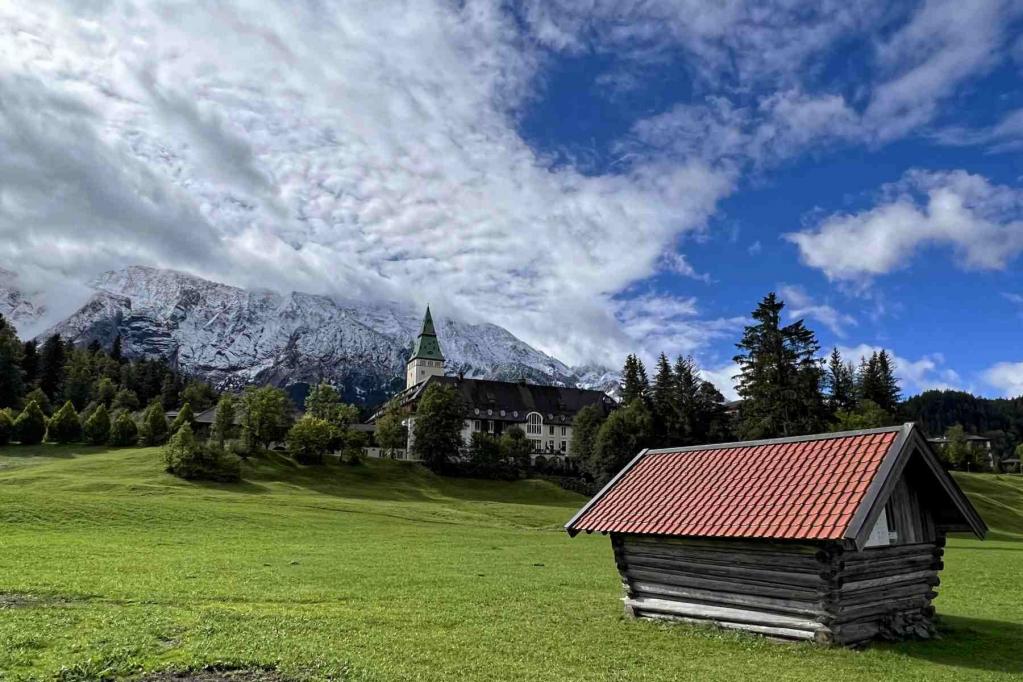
x=534, y=423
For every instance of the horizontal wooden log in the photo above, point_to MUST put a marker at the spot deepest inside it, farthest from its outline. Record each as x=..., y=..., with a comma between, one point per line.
x=874, y=610
x=763, y=576
x=686, y=580
x=795, y=562
x=927, y=576
x=794, y=607
x=728, y=544
x=721, y=613
x=890, y=566
x=783, y=633
x=868, y=596
x=886, y=571
x=854, y=634
x=889, y=552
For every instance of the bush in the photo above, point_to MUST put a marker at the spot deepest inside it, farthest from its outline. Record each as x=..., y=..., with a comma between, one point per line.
x=40, y=399
x=309, y=439
x=123, y=430
x=97, y=426
x=30, y=426
x=6, y=426
x=64, y=426
x=185, y=457
x=153, y=429
x=185, y=416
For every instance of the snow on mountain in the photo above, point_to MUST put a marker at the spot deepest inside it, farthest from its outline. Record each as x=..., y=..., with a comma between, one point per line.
x=20, y=308
x=233, y=336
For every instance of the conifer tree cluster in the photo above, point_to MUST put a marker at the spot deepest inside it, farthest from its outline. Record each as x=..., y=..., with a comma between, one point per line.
x=679, y=408
x=62, y=393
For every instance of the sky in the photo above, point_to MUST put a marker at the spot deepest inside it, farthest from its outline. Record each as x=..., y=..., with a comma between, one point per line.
x=599, y=177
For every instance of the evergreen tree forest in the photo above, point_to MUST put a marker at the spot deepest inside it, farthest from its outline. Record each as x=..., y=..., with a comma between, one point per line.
x=55, y=388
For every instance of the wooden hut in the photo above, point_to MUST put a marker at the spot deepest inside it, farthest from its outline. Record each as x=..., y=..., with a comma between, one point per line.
x=835, y=538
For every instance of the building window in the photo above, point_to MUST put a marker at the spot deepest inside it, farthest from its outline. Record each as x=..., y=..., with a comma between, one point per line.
x=550, y=446
x=476, y=425
x=564, y=446
x=534, y=424
x=564, y=432
x=550, y=430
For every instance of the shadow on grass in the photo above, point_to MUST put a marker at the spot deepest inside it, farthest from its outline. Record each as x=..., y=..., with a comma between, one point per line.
x=398, y=481
x=50, y=451
x=972, y=643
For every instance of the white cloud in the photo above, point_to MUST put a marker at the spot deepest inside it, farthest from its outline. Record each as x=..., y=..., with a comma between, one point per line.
x=1004, y=136
x=982, y=222
x=799, y=304
x=1007, y=377
x=677, y=263
x=923, y=374
x=722, y=378
x=670, y=324
x=338, y=149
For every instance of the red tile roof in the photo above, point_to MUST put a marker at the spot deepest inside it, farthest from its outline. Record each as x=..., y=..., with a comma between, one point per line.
x=784, y=489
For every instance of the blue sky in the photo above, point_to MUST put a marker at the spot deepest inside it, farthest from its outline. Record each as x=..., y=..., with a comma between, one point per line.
x=599, y=177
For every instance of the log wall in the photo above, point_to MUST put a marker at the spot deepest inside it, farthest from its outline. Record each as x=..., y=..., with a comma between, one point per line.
x=809, y=591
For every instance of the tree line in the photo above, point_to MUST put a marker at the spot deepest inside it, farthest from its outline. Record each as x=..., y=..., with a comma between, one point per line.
x=785, y=389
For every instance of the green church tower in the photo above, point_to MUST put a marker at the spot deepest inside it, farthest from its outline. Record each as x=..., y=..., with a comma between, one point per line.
x=427, y=359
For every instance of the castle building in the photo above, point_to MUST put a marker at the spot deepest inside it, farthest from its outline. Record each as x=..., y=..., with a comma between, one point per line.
x=544, y=413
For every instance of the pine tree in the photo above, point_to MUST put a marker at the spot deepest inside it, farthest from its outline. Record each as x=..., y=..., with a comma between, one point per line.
x=123, y=430
x=30, y=362
x=687, y=389
x=97, y=426
x=634, y=380
x=64, y=426
x=30, y=426
x=6, y=426
x=584, y=433
x=170, y=389
x=620, y=438
x=888, y=384
x=714, y=422
x=185, y=416
x=52, y=358
x=780, y=376
x=116, y=354
x=94, y=347
x=840, y=381
x=153, y=429
x=665, y=403
x=223, y=420
x=36, y=395
x=78, y=378
x=12, y=384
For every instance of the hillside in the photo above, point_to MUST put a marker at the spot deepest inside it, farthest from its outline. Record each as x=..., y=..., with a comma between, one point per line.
x=232, y=336
x=109, y=568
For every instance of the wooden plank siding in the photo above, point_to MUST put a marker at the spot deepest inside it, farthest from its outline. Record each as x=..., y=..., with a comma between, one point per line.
x=822, y=592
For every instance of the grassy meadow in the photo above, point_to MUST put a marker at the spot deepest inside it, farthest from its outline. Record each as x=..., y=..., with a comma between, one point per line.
x=110, y=569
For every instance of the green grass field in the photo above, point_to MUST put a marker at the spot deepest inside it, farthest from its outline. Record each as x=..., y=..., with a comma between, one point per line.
x=110, y=568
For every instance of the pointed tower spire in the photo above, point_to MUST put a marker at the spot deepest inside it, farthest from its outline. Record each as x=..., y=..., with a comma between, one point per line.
x=427, y=346
x=427, y=359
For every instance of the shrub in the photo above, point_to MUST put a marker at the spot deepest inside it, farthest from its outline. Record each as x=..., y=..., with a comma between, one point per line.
x=97, y=426
x=153, y=429
x=126, y=399
x=64, y=425
x=185, y=457
x=185, y=416
x=123, y=430
x=309, y=439
x=6, y=426
x=30, y=426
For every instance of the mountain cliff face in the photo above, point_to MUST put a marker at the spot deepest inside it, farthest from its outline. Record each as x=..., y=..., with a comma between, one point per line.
x=233, y=337
x=15, y=305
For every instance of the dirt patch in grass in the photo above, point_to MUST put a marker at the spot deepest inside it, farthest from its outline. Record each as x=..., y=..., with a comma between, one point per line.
x=213, y=675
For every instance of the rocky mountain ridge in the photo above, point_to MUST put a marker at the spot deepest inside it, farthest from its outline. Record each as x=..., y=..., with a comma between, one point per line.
x=233, y=337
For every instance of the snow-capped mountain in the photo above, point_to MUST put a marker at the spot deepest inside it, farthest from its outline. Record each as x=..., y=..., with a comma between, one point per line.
x=15, y=305
x=233, y=336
